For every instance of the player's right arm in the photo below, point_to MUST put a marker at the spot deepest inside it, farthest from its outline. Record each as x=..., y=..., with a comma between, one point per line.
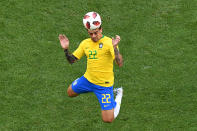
x=118, y=56
x=65, y=44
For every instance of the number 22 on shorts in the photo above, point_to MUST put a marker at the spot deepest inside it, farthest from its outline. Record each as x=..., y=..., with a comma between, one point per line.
x=105, y=98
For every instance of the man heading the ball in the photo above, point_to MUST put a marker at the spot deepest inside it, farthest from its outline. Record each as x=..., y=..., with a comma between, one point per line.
x=100, y=51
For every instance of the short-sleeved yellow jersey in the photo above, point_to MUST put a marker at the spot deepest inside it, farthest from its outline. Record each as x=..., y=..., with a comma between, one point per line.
x=100, y=56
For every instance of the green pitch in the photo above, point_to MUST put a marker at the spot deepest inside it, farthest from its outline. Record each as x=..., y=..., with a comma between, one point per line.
x=158, y=44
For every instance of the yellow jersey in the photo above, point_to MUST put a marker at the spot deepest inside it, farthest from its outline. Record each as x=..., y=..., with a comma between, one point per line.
x=100, y=56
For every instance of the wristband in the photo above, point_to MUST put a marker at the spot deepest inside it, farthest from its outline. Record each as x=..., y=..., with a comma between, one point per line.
x=66, y=50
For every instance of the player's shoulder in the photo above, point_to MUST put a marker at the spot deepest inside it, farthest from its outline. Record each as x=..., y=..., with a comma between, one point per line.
x=107, y=41
x=106, y=38
x=85, y=41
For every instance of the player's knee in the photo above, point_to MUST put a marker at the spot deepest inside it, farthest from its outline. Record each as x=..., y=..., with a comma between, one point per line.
x=108, y=120
x=70, y=92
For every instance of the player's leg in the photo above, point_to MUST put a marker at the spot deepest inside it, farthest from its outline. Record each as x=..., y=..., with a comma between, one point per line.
x=110, y=107
x=70, y=92
x=107, y=115
x=110, y=115
x=79, y=86
x=107, y=103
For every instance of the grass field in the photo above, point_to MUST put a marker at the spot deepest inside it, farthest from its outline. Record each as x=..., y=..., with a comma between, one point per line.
x=159, y=47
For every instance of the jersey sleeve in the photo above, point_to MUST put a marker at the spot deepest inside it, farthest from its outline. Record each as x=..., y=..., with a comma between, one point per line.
x=79, y=52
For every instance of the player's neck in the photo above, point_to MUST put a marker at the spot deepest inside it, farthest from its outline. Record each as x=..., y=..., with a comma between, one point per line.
x=101, y=36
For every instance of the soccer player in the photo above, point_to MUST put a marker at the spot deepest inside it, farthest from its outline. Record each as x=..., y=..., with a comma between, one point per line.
x=100, y=51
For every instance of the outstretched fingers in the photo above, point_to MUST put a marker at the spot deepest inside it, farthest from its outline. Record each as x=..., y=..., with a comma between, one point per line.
x=60, y=37
x=117, y=38
x=65, y=37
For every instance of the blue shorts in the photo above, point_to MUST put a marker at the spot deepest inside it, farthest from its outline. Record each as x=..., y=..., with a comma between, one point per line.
x=104, y=94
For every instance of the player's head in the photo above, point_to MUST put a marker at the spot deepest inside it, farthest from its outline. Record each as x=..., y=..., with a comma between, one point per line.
x=95, y=34
x=92, y=22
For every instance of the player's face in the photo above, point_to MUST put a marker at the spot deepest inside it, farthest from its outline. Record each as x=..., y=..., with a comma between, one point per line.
x=95, y=35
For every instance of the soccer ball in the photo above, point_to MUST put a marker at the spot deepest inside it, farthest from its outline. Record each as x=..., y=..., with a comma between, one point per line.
x=92, y=20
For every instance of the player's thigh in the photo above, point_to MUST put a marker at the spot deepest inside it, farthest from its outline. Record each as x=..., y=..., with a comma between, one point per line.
x=79, y=86
x=108, y=115
x=105, y=97
x=107, y=103
x=70, y=92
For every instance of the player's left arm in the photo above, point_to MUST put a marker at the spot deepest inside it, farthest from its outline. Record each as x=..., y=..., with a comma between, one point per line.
x=118, y=56
x=65, y=45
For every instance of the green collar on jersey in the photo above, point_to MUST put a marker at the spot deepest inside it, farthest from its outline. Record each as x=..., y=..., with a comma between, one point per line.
x=102, y=37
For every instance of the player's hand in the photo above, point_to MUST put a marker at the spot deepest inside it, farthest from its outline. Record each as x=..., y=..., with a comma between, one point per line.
x=64, y=41
x=115, y=41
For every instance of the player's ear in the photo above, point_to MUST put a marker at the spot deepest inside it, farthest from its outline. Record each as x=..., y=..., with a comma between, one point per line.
x=100, y=28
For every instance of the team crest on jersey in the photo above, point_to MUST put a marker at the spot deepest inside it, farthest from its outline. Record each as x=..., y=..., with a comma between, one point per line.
x=101, y=45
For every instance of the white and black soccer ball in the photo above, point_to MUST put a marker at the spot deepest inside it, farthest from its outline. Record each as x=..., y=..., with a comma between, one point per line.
x=92, y=20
